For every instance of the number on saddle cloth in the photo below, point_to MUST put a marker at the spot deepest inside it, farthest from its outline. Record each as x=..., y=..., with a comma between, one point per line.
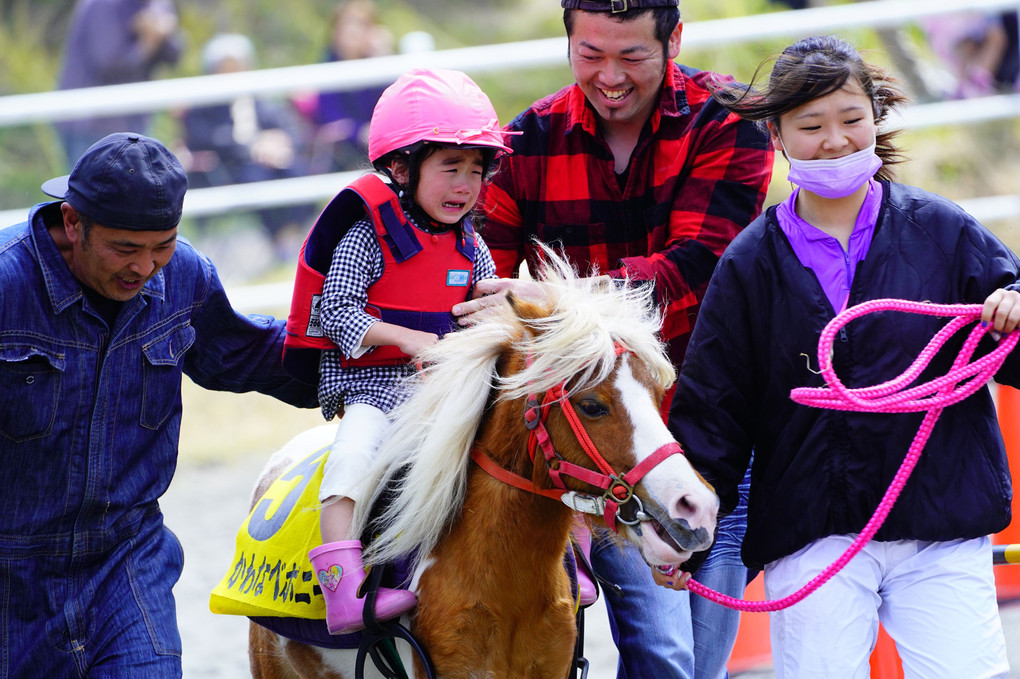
x=269, y=579
x=392, y=575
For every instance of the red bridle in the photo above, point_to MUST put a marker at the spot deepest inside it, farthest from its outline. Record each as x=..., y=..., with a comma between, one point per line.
x=617, y=490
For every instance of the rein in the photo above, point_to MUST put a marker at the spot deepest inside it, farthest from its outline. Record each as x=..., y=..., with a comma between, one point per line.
x=618, y=490
x=962, y=380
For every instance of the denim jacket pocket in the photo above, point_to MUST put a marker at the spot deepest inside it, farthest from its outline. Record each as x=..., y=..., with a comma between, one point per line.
x=161, y=374
x=30, y=379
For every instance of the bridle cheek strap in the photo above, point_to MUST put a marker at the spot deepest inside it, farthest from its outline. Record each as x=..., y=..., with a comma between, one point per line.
x=617, y=490
x=534, y=418
x=535, y=413
x=621, y=490
x=582, y=436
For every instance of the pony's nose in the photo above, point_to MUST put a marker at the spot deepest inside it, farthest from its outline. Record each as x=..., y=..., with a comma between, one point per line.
x=699, y=510
x=687, y=523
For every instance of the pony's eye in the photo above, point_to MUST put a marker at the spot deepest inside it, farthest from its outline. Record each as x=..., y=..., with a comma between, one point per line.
x=593, y=408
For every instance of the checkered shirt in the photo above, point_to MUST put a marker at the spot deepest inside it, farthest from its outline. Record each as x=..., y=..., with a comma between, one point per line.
x=357, y=264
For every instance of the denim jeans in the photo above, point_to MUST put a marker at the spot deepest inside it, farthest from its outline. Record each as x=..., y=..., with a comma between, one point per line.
x=108, y=616
x=651, y=625
x=715, y=626
x=663, y=633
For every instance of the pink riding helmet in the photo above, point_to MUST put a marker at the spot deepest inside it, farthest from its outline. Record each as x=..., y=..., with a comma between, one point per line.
x=435, y=105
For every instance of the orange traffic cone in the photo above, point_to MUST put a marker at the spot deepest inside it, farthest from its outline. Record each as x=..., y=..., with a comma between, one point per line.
x=752, y=649
x=1007, y=577
x=885, y=661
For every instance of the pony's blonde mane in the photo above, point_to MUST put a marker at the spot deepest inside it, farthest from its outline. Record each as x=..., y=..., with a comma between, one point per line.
x=432, y=434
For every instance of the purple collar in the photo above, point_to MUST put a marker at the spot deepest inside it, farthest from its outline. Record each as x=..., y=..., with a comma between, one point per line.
x=832, y=265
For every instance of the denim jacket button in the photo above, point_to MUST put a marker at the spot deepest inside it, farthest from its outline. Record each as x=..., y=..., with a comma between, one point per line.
x=30, y=379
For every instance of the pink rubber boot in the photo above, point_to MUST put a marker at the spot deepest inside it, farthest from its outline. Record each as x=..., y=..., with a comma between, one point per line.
x=587, y=590
x=340, y=571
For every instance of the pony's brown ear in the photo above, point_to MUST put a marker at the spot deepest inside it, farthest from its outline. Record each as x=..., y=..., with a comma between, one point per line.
x=525, y=310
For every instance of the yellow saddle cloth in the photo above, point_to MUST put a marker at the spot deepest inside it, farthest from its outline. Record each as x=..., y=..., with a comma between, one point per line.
x=270, y=574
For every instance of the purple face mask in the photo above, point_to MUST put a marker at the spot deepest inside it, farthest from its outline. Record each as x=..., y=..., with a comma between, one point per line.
x=835, y=177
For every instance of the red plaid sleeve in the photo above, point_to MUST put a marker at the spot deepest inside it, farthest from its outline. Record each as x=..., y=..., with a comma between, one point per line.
x=503, y=229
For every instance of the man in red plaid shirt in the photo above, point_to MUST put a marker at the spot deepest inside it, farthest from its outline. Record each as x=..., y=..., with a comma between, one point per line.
x=636, y=172
x=634, y=169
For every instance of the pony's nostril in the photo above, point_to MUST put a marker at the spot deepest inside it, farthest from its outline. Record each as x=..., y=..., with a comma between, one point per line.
x=687, y=507
x=695, y=510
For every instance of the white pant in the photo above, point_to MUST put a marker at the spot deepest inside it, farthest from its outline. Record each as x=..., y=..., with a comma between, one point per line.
x=358, y=436
x=935, y=599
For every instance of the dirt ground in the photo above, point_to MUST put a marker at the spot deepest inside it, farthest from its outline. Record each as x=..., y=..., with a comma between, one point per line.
x=204, y=507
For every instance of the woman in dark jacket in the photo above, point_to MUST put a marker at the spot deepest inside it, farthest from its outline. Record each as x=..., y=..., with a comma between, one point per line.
x=849, y=234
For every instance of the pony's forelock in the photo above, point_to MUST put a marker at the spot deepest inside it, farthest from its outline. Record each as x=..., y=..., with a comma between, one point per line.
x=575, y=342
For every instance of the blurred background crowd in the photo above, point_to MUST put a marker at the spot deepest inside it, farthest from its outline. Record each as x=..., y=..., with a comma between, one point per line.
x=100, y=42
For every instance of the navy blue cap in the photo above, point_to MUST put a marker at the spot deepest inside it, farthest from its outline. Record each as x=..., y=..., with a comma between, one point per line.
x=616, y=6
x=125, y=181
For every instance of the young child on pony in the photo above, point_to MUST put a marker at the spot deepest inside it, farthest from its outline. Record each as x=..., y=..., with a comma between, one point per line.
x=435, y=136
x=849, y=234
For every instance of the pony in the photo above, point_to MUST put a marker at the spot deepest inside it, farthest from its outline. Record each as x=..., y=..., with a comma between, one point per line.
x=547, y=407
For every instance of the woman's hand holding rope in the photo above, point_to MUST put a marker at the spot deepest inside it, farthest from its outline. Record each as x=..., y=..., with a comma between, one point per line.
x=999, y=316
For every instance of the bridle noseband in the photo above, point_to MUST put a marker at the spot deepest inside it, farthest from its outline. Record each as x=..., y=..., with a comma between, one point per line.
x=617, y=490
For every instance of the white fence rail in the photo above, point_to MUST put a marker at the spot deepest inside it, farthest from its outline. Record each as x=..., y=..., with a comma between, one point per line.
x=511, y=57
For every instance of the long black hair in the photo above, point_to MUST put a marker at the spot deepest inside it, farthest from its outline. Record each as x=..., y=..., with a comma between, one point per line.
x=809, y=69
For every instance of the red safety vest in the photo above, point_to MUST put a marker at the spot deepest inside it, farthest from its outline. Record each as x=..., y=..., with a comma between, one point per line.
x=437, y=269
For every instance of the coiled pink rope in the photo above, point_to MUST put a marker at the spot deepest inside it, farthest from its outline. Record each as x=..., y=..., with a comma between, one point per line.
x=962, y=380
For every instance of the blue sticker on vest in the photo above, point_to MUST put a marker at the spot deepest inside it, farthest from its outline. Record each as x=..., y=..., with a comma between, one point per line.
x=457, y=278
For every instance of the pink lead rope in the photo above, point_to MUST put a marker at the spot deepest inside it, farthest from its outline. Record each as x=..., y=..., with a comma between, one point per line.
x=962, y=380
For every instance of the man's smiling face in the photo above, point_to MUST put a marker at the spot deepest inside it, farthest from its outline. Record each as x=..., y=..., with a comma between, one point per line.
x=619, y=65
x=116, y=263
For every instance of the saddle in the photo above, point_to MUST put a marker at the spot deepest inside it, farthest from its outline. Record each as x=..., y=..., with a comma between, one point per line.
x=271, y=582
x=583, y=588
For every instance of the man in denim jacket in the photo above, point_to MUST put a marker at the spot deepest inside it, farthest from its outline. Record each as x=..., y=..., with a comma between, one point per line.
x=101, y=311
